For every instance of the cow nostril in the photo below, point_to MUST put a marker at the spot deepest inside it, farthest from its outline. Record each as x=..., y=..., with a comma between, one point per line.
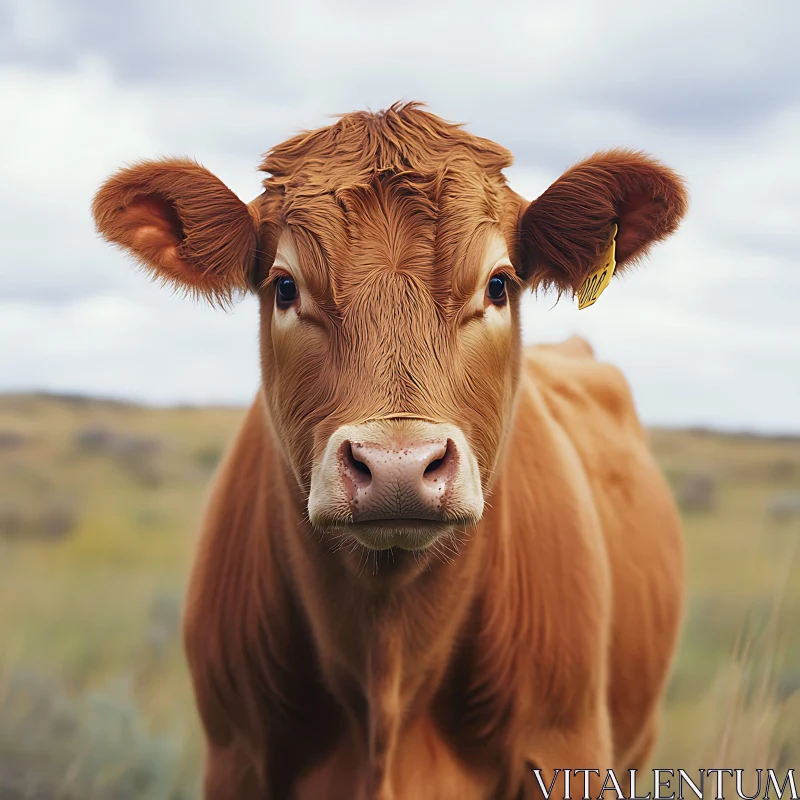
x=361, y=467
x=354, y=463
x=434, y=465
x=439, y=467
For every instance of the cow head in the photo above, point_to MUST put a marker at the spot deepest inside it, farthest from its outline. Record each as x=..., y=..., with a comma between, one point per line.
x=388, y=255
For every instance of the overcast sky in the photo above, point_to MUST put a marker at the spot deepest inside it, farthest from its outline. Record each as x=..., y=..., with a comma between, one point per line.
x=708, y=331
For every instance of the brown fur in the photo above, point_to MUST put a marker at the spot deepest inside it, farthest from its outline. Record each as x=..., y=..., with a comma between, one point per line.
x=542, y=635
x=181, y=222
x=564, y=230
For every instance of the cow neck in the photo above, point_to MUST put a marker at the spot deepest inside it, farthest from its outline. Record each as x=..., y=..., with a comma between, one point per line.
x=384, y=631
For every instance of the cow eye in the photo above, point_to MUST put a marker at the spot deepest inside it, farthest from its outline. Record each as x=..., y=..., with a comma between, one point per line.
x=285, y=292
x=497, y=289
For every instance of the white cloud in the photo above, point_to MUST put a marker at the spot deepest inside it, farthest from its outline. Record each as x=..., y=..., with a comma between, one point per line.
x=707, y=331
x=150, y=347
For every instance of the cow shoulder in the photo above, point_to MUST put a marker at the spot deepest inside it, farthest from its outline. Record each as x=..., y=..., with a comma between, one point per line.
x=246, y=644
x=591, y=399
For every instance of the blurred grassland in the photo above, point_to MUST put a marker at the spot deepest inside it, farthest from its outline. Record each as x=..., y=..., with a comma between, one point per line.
x=99, y=505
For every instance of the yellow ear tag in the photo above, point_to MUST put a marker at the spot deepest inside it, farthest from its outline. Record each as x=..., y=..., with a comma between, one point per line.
x=597, y=280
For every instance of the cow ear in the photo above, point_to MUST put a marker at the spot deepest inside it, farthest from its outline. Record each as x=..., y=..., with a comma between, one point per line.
x=564, y=233
x=181, y=223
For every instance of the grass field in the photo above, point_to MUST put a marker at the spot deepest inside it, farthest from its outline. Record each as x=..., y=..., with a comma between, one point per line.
x=99, y=504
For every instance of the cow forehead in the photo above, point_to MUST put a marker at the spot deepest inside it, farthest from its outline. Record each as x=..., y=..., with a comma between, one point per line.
x=434, y=230
x=364, y=265
x=399, y=190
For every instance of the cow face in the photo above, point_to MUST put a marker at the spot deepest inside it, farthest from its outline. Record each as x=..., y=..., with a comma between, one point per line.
x=389, y=372
x=388, y=255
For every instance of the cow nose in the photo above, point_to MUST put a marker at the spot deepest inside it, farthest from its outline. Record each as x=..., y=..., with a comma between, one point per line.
x=401, y=480
x=408, y=481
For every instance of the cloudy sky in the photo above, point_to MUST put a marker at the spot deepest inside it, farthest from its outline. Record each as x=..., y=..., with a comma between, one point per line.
x=708, y=331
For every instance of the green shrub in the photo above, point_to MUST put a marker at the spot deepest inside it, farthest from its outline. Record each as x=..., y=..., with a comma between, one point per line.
x=94, y=746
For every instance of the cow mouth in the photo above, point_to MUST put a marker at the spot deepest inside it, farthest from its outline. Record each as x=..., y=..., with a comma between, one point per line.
x=403, y=533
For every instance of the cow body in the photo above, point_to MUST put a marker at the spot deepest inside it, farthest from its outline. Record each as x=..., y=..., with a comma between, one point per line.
x=432, y=559
x=546, y=639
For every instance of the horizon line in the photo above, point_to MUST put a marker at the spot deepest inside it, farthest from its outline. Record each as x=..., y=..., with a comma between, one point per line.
x=84, y=397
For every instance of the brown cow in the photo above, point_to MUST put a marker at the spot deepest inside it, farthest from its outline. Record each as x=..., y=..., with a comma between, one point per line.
x=432, y=558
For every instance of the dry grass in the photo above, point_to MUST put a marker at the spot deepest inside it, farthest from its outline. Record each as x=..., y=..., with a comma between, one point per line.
x=95, y=700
